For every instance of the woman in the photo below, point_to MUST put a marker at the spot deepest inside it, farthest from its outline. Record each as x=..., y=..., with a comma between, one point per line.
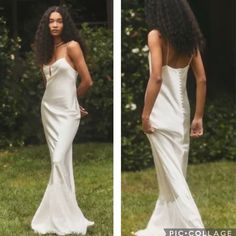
x=175, y=42
x=59, y=52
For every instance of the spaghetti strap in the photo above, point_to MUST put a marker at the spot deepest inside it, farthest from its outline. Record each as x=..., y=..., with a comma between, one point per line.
x=190, y=59
x=167, y=53
x=66, y=48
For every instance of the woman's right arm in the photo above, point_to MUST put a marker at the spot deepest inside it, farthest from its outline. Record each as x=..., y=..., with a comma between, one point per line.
x=76, y=55
x=44, y=78
x=199, y=73
x=155, y=80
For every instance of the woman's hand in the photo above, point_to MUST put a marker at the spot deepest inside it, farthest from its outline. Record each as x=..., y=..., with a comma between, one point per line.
x=83, y=112
x=146, y=126
x=196, y=128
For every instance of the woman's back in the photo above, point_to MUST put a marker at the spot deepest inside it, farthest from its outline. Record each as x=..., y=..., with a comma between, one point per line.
x=173, y=59
x=171, y=108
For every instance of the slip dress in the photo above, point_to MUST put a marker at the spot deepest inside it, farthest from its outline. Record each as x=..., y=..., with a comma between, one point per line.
x=58, y=211
x=170, y=117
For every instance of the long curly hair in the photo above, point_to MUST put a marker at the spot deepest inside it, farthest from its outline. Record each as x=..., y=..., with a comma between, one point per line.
x=177, y=24
x=44, y=44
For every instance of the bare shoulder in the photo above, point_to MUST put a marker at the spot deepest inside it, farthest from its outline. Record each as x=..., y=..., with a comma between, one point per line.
x=154, y=38
x=73, y=45
x=154, y=33
x=74, y=50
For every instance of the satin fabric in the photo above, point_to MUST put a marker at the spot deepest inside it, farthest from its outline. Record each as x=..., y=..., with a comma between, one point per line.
x=170, y=116
x=59, y=212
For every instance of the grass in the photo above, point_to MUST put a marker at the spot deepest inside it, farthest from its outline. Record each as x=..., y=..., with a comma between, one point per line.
x=24, y=174
x=213, y=186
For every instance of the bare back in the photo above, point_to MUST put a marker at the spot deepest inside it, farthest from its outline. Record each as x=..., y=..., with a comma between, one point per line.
x=172, y=58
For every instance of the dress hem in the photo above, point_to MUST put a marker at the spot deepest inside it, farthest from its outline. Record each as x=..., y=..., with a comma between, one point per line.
x=37, y=231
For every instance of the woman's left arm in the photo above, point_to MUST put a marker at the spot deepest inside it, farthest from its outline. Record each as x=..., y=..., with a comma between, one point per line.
x=76, y=55
x=199, y=72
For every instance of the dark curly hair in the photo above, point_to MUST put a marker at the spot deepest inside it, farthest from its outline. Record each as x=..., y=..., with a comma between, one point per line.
x=44, y=44
x=177, y=24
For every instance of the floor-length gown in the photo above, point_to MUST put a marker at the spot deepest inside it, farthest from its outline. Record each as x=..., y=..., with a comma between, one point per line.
x=170, y=116
x=59, y=212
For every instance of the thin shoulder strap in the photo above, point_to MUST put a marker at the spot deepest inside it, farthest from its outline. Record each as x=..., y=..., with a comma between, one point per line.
x=167, y=53
x=190, y=59
x=67, y=55
x=66, y=49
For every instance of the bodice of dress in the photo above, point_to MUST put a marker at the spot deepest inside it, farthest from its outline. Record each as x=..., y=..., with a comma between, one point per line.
x=172, y=103
x=61, y=85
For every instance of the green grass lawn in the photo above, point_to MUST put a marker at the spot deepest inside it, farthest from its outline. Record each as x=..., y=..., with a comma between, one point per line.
x=213, y=186
x=24, y=174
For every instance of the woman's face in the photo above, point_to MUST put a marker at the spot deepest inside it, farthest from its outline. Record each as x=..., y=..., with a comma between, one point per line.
x=55, y=24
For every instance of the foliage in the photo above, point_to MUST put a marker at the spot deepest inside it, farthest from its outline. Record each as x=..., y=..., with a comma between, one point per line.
x=99, y=102
x=219, y=140
x=135, y=152
x=18, y=92
x=22, y=89
x=25, y=172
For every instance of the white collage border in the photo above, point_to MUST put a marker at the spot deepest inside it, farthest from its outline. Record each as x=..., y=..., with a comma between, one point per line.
x=117, y=118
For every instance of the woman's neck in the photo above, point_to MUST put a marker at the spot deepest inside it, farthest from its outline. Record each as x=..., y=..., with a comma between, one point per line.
x=57, y=40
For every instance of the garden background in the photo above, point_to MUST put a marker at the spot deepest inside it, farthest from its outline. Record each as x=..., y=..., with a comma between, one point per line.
x=212, y=157
x=20, y=79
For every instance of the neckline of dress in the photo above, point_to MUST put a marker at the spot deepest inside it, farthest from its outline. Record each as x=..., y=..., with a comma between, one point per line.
x=180, y=68
x=55, y=61
x=59, y=59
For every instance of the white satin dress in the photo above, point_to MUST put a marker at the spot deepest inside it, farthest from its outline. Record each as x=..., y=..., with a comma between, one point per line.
x=170, y=116
x=59, y=212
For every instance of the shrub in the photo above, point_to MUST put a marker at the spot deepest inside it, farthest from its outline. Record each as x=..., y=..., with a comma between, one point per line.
x=20, y=92
x=99, y=102
x=219, y=140
x=135, y=151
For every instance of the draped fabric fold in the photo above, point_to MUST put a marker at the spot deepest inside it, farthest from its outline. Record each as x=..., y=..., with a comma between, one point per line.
x=170, y=116
x=58, y=211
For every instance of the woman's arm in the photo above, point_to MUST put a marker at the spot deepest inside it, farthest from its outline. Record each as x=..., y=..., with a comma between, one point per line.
x=199, y=72
x=76, y=55
x=44, y=78
x=155, y=80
